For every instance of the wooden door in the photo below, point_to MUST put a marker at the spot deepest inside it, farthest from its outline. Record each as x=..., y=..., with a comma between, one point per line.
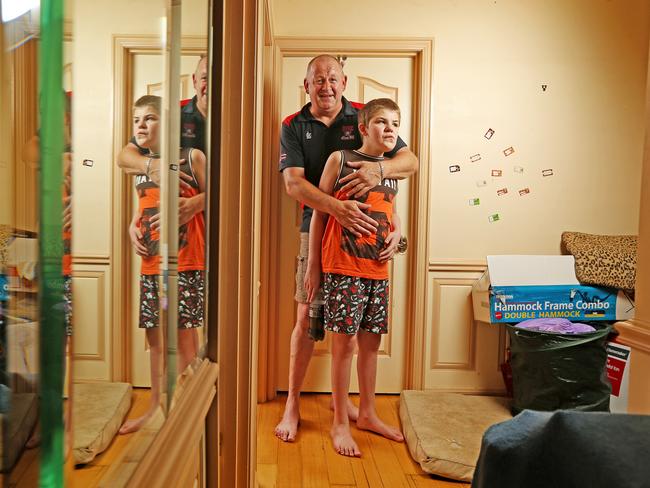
x=368, y=78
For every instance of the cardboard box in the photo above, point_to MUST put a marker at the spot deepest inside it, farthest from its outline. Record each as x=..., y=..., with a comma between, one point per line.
x=518, y=288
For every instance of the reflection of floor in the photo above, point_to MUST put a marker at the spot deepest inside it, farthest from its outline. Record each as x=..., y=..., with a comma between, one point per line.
x=90, y=474
x=25, y=473
x=311, y=460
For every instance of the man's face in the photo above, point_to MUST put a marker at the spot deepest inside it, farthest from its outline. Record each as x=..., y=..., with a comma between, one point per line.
x=146, y=126
x=200, y=81
x=382, y=129
x=325, y=84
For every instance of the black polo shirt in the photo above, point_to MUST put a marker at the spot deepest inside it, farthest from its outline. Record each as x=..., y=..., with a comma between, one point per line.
x=192, y=127
x=307, y=143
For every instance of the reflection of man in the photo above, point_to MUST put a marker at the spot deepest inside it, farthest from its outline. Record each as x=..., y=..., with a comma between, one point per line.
x=326, y=124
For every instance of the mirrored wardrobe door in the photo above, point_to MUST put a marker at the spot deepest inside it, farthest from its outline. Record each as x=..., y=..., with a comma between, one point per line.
x=19, y=250
x=191, y=79
x=119, y=117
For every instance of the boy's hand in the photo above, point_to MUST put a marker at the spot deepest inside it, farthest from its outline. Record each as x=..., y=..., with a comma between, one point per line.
x=350, y=214
x=312, y=281
x=390, y=246
x=365, y=178
x=136, y=240
x=184, y=181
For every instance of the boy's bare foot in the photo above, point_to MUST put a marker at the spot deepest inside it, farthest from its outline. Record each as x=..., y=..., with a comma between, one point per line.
x=375, y=424
x=287, y=429
x=133, y=425
x=343, y=442
x=353, y=410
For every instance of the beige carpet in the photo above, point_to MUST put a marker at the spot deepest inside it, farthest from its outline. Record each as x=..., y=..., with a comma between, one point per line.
x=444, y=430
x=98, y=412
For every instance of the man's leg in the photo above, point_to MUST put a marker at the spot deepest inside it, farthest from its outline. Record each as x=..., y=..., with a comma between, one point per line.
x=367, y=371
x=302, y=348
x=342, y=351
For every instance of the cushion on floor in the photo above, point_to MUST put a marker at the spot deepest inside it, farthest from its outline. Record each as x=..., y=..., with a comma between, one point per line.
x=23, y=414
x=99, y=410
x=443, y=431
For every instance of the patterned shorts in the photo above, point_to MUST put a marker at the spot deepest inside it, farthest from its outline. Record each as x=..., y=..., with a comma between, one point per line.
x=191, y=289
x=352, y=303
x=67, y=303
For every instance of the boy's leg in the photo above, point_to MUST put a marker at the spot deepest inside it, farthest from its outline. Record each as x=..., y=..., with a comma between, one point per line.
x=155, y=359
x=190, y=315
x=149, y=319
x=342, y=351
x=367, y=371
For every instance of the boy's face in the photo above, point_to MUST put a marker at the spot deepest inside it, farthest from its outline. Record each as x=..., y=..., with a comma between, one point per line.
x=146, y=125
x=382, y=129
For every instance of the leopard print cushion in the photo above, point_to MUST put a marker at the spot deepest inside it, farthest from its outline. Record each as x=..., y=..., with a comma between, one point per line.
x=603, y=260
x=5, y=237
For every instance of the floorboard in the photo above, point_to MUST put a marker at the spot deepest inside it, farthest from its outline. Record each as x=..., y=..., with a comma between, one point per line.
x=312, y=461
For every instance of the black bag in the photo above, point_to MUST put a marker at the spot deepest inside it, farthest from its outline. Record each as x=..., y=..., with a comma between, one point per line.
x=559, y=371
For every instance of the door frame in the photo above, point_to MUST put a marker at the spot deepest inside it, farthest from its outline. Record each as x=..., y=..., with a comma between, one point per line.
x=421, y=51
x=125, y=48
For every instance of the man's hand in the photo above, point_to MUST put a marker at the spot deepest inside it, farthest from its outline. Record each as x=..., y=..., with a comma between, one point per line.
x=390, y=246
x=365, y=178
x=189, y=207
x=136, y=238
x=350, y=214
x=183, y=179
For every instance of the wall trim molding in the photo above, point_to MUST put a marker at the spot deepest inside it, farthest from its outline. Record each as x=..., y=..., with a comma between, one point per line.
x=635, y=333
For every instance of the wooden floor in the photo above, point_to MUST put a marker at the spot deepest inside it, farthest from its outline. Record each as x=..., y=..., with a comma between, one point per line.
x=25, y=473
x=312, y=462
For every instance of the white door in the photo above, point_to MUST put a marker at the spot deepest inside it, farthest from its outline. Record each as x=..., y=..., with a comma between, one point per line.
x=368, y=78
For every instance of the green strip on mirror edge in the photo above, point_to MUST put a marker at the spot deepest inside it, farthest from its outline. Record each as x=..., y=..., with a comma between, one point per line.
x=52, y=329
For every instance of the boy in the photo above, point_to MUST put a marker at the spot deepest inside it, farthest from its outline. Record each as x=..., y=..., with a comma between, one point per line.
x=355, y=282
x=191, y=254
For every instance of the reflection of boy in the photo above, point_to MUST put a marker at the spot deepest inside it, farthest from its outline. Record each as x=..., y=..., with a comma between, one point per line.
x=191, y=261
x=355, y=284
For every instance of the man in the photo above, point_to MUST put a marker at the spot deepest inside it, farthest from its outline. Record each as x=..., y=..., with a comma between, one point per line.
x=326, y=124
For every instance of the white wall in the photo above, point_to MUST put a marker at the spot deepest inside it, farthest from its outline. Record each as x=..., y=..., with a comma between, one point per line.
x=490, y=60
x=94, y=25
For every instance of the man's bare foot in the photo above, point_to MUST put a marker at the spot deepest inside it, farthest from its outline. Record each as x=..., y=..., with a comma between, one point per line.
x=375, y=424
x=287, y=429
x=133, y=425
x=353, y=410
x=343, y=442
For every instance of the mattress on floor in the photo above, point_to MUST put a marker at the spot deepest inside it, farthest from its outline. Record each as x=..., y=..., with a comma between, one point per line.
x=443, y=431
x=98, y=411
x=23, y=414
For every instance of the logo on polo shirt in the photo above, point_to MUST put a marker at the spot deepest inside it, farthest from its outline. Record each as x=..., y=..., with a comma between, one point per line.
x=308, y=135
x=189, y=129
x=348, y=133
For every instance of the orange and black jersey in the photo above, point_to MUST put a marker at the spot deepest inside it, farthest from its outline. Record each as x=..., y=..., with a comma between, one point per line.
x=191, y=236
x=343, y=252
x=307, y=143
